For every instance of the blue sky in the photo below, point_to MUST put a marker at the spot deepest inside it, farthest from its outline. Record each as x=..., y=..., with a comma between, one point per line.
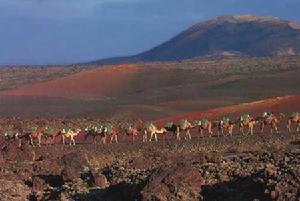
x=70, y=31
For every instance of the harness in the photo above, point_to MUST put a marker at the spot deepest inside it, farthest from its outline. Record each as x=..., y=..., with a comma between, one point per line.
x=266, y=114
x=48, y=132
x=107, y=128
x=11, y=134
x=245, y=117
x=150, y=126
x=65, y=130
x=33, y=129
x=202, y=122
x=183, y=122
x=225, y=120
x=295, y=114
x=169, y=125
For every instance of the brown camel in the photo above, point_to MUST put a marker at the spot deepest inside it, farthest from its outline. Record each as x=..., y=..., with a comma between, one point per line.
x=13, y=135
x=294, y=118
x=36, y=133
x=205, y=124
x=131, y=131
x=246, y=121
x=112, y=131
x=185, y=125
x=226, y=124
x=95, y=132
x=269, y=119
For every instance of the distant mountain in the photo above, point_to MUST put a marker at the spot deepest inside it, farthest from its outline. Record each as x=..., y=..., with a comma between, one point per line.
x=226, y=36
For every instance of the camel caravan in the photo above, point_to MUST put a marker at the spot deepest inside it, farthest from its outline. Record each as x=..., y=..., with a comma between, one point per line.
x=104, y=133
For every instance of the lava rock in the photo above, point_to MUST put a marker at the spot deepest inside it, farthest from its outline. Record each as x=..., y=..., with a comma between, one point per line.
x=179, y=182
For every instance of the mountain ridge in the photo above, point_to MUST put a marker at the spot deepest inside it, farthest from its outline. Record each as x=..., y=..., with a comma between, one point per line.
x=240, y=35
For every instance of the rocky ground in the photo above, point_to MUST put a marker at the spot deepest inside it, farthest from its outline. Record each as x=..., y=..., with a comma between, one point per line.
x=259, y=167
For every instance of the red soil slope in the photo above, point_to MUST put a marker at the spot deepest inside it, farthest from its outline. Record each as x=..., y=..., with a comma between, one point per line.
x=100, y=83
x=285, y=105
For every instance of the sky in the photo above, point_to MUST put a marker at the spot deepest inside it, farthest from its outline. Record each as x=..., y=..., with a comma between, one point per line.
x=74, y=31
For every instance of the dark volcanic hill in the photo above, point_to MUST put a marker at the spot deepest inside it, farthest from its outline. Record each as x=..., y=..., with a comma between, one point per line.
x=245, y=35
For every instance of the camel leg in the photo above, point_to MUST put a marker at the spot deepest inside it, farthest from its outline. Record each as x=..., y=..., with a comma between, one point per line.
x=145, y=136
x=63, y=139
x=230, y=130
x=19, y=143
x=298, y=127
x=201, y=133
x=222, y=131
x=151, y=135
x=288, y=126
x=251, y=129
x=73, y=140
x=188, y=135
x=210, y=131
x=271, y=129
x=242, y=129
x=116, y=138
x=156, y=139
x=178, y=135
x=262, y=128
x=31, y=141
x=39, y=140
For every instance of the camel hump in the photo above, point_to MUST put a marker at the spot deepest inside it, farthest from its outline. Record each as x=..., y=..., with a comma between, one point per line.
x=225, y=120
x=33, y=129
x=65, y=130
x=183, y=122
x=169, y=125
x=245, y=116
x=49, y=131
x=267, y=114
x=149, y=126
x=10, y=133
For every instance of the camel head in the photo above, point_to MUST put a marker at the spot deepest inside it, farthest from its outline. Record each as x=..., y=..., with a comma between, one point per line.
x=163, y=130
x=78, y=130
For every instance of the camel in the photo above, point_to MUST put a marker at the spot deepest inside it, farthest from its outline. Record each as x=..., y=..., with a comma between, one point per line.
x=112, y=131
x=294, y=118
x=205, y=124
x=246, y=121
x=269, y=119
x=95, y=131
x=69, y=133
x=171, y=127
x=36, y=133
x=50, y=134
x=153, y=130
x=13, y=135
x=185, y=125
x=10, y=135
x=131, y=131
x=225, y=124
